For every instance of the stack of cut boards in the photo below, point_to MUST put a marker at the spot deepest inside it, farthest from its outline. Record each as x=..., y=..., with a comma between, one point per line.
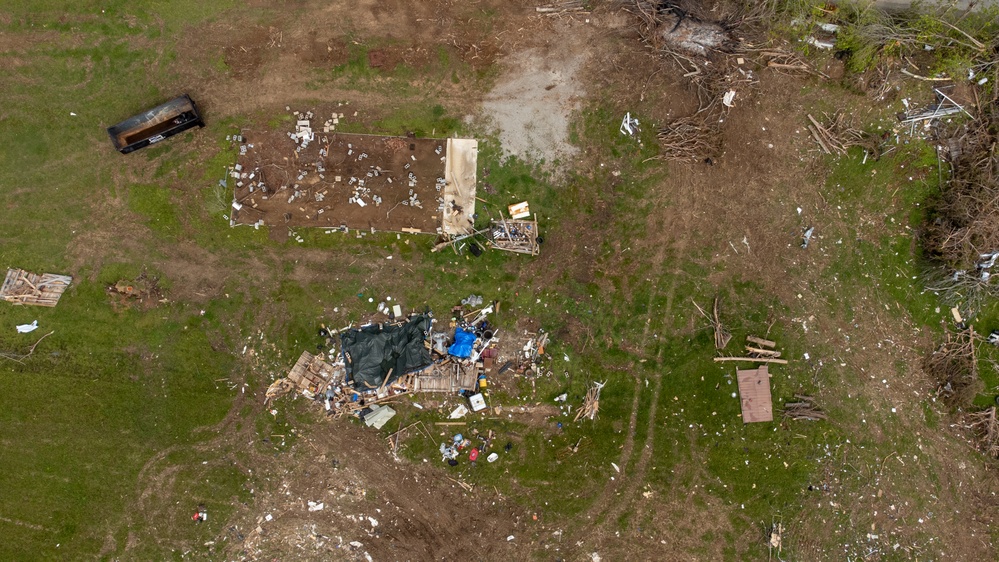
x=22, y=287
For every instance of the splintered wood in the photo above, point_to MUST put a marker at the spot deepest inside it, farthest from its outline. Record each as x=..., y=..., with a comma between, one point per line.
x=21, y=287
x=591, y=404
x=566, y=6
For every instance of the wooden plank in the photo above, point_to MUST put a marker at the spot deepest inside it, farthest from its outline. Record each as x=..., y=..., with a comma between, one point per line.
x=754, y=393
x=754, y=359
x=761, y=351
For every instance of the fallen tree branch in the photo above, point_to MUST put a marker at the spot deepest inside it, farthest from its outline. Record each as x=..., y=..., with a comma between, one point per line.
x=20, y=358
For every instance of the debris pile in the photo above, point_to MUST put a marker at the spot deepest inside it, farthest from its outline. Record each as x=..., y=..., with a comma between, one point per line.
x=722, y=336
x=591, y=404
x=954, y=369
x=837, y=135
x=520, y=236
x=21, y=287
x=142, y=290
x=759, y=350
x=985, y=424
x=340, y=181
x=372, y=365
x=962, y=228
x=805, y=409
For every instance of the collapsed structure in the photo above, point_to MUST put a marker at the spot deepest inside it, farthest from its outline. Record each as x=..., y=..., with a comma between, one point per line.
x=321, y=177
x=22, y=287
x=370, y=365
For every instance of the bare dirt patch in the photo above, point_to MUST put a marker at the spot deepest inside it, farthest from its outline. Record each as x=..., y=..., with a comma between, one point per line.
x=356, y=181
x=535, y=96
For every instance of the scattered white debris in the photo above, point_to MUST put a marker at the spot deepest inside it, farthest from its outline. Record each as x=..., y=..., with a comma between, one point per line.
x=629, y=126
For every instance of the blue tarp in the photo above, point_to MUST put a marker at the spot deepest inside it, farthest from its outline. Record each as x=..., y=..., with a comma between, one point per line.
x=462, y=346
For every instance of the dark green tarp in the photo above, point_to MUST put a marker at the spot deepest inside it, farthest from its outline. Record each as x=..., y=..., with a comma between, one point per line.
x=370, y=352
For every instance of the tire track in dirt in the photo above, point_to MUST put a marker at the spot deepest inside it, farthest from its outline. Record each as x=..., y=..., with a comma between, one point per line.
x=155, y=476
x=609, y=505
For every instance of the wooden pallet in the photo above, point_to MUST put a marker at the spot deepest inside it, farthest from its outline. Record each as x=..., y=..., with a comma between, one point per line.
x=312, y=373
x=21, y=287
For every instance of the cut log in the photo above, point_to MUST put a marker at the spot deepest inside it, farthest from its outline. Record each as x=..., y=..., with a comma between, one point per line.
x=761, y=342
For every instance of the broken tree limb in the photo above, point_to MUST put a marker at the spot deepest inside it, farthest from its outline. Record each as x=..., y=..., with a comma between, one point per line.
x=818, y=139
x=927, y=79
x=20, y=358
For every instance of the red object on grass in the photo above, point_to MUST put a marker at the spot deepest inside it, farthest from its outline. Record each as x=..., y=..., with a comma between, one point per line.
x=473, y=455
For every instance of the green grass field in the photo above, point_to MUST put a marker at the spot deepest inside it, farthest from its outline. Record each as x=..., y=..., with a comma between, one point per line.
x=112, y=387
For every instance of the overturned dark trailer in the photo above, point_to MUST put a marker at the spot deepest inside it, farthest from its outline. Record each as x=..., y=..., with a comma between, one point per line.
x=160, y=122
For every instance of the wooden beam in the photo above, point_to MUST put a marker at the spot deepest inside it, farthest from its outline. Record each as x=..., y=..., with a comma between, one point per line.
x=754, y=359
x=760, y=351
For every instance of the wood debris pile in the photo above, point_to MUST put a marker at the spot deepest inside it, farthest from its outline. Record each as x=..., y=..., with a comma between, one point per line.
x=591, y=404
x=520, y=236
x=985, y=424
x=758, y=350
x=689, y=138
x=722, y=336
x=804, y=409
x=954, y=369
x=21, y=287
x=836, y=136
